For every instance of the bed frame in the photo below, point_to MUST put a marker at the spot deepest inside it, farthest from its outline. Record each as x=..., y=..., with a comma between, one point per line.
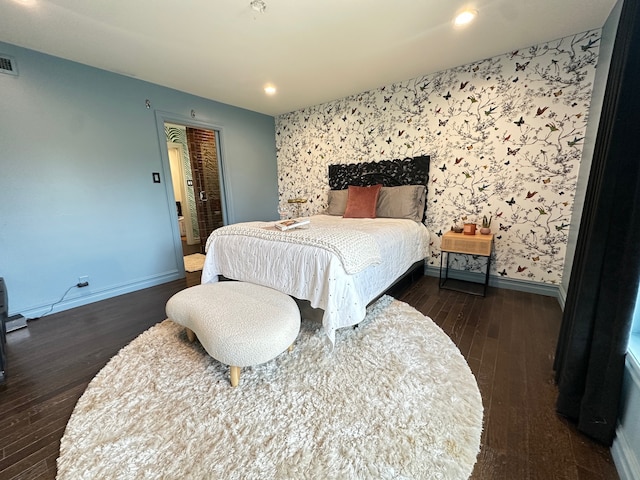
x=389, y=173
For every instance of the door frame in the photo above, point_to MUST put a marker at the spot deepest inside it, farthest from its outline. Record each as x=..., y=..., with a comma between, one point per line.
x=225, y=190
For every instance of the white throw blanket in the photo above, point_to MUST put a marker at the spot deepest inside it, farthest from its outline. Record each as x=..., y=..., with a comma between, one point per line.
x=357, y=250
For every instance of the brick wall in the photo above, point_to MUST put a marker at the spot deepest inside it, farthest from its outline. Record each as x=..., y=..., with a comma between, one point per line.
x=204, y=164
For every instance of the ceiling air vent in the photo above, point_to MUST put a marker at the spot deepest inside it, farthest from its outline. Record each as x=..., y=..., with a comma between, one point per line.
x=8, y=65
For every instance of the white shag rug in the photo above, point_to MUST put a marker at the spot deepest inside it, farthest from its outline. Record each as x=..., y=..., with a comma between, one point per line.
x=395, y=399
x=194, y=262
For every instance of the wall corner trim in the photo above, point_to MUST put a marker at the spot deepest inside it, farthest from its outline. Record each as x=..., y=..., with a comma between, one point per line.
x=621, y=451
x=562, y=296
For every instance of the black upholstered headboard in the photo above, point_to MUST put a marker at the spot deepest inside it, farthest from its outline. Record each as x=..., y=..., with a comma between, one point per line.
x=389, y=173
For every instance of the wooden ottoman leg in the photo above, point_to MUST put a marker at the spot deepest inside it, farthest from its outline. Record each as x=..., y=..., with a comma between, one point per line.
x=235, y=376
x=290, y=348
x=190, y=335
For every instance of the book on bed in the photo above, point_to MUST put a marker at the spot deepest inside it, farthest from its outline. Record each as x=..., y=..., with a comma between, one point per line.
x=291, y=223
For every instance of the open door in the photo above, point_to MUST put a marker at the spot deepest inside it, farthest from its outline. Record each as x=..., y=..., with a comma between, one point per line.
x=203, y=180
x=205, y=167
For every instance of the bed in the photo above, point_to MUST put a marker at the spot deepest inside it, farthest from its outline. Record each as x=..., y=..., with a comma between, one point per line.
x=337, y=264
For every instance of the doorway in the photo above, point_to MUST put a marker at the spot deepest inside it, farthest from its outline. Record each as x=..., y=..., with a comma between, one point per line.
x=197, y=186
x=205, y=169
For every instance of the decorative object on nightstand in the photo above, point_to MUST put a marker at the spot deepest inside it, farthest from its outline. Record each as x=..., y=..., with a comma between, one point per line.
x=486, y=225
x=463, y=244
x=469, y=229
x=456, y=227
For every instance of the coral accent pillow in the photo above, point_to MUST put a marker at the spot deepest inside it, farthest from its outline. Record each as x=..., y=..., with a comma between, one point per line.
x=362, y=201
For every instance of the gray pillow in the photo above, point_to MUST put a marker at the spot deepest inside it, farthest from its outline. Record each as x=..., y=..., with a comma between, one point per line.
x=337, y=202
x=406, y=201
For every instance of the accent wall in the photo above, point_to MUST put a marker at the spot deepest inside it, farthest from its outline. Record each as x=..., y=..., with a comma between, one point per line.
x=505, y=136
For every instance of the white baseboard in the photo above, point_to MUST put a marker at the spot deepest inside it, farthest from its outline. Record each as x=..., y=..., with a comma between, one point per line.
x=102, y=294
x=623, y=457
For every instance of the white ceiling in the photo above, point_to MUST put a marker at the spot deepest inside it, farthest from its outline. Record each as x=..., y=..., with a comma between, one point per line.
x=313, y=51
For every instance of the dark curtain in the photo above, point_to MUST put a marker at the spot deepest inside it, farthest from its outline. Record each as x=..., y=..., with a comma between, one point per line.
x=602, y=291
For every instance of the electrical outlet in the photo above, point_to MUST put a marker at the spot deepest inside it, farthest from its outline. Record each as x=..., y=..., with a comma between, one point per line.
x=83, y=281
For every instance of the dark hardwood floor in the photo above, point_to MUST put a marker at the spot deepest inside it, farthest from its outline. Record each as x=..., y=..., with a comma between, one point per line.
x=508, y=339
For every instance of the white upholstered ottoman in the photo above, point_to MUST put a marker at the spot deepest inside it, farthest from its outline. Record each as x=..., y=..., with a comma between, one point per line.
x=237, y=323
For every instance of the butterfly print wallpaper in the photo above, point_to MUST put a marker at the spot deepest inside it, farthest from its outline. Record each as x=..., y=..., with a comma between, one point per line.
x=505, y=138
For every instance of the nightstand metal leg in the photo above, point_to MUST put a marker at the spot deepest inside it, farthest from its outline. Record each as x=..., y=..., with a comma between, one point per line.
x=446, y=272
x=486, y=278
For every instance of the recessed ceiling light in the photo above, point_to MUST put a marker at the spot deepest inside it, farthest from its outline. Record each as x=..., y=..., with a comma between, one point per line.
x=465, y=17
x=270, y=90
x=258, y=5
x=26, y=3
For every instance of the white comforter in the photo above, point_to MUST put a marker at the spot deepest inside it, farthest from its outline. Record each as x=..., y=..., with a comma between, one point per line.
x=318, y=275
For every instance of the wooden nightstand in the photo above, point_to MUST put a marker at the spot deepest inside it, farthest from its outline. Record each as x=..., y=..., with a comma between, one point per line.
x=478, y=245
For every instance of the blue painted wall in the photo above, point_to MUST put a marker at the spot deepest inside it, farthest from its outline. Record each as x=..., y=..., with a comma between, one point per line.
x=77, y=152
